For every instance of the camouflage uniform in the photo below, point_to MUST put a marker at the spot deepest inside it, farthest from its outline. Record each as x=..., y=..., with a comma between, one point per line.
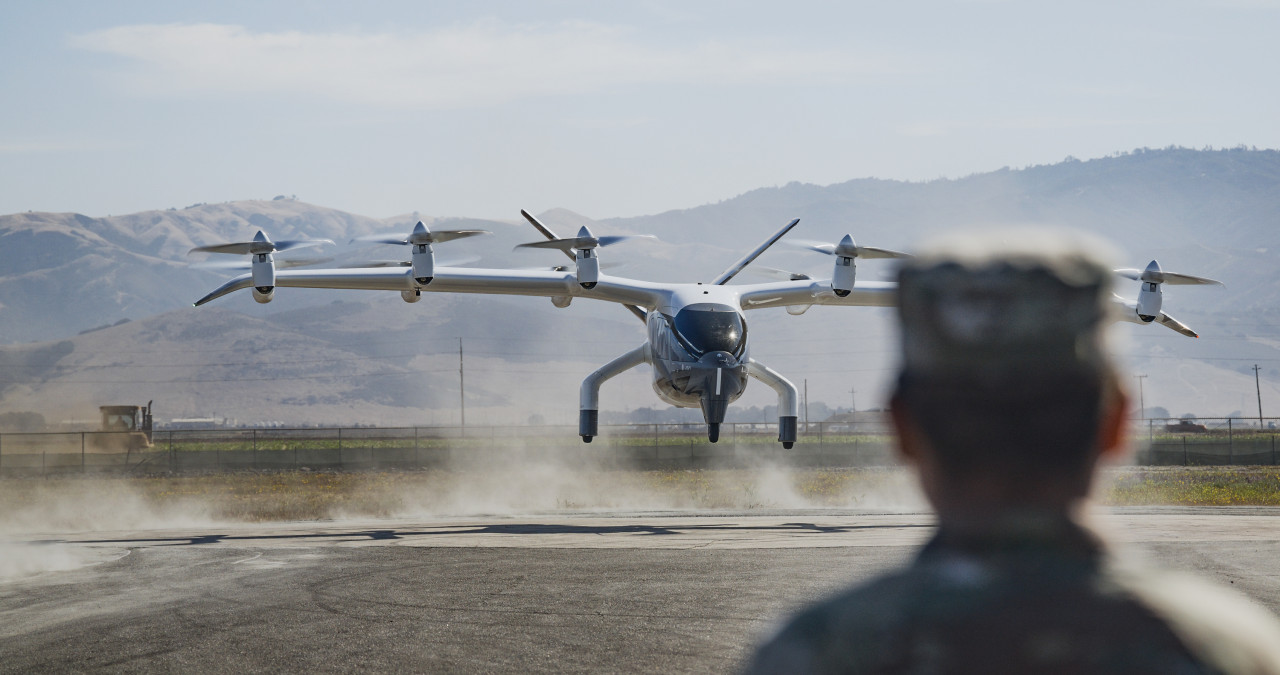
x=1022, y=589
x=1031, y=595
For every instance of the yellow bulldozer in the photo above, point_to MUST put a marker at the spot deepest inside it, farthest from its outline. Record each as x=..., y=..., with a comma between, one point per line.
x=126, y=427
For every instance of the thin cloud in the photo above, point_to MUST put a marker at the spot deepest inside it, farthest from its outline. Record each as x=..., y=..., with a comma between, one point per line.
x=42, y=146
x=1047, y=123
x=478, y=64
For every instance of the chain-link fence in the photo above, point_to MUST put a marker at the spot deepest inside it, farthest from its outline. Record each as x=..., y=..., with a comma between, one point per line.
x=622, y=446
x=1206, y=441
x=641, y=446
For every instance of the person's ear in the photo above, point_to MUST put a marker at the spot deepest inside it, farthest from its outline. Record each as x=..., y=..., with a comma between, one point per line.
x=1111, y=437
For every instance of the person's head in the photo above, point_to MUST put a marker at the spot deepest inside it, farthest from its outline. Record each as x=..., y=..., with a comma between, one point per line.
x=1006, y=396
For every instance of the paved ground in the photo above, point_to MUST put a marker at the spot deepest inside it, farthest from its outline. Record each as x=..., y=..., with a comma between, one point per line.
x=561, y=592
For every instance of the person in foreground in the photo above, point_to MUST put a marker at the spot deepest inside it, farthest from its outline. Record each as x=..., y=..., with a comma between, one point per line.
x=1005, y=404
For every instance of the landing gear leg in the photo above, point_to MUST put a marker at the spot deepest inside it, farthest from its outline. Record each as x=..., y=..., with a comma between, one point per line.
x=787, y=431
x=589, y=395
x=788, y=400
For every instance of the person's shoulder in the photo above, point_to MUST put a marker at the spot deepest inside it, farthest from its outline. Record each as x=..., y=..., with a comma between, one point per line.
x=851, y=621
x=1219, y=625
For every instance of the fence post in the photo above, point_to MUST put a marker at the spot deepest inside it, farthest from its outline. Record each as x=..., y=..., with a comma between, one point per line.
x=171, y=457
x=81, y=452
x=1184, y=450
x=340, y=447
x=1231, y=447
x=417, y=453
x=254, y=434
x=42, y=469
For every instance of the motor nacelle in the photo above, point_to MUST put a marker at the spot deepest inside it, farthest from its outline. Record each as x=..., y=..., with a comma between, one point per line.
x=411, y=296
x=263, y=294
x=588, y=267
x=1149, y=301
x=845, y=268
x=263, y=270
x=424, y=264
x=843, y=275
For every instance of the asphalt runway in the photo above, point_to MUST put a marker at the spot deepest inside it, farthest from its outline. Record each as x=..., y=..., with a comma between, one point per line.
x=671, y=592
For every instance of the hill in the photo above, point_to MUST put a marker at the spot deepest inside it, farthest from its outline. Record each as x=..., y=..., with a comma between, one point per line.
x=316, y=356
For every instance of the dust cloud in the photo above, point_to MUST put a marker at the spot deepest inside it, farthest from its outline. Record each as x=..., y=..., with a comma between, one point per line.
x=36, y=512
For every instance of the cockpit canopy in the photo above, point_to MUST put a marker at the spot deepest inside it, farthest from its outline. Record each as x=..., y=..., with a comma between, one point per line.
x=708, y=327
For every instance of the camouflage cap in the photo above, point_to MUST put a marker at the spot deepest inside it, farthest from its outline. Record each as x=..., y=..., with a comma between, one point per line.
x=1006, y=305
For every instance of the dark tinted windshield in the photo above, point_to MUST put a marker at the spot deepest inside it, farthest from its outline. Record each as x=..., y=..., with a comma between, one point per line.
x=704, y=329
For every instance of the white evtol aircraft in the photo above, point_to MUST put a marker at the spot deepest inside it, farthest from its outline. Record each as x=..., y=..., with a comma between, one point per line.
x=696, y=333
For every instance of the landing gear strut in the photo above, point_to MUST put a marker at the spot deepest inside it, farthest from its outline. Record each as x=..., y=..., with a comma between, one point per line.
x=589, y=394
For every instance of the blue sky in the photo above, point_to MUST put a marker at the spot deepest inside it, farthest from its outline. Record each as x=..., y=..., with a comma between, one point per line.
x=606, y=108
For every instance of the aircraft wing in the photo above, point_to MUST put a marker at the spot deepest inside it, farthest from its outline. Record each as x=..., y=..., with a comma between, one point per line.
x=547, y=283
x=817, y=292
x=1127, y=310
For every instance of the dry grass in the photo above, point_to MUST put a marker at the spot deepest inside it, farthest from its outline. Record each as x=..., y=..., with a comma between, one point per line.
x=302, y=495
x=1194, y=486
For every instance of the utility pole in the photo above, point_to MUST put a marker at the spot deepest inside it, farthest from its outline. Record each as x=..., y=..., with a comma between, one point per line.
x=1258, y=386
x=853, y=400
x=1142, y=403
x=462, y=386
x=806, y=405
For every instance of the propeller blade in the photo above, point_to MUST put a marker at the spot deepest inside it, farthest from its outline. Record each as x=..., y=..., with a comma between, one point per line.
x=301, y=262
x=829, y=249
x=872, y=252
x=238, y=248
x=440, y=262
x=565, y=268
x=419, y=235
x=290, y=244
x=619, y=238
x=366, y=264
x=1155, y=275
x=223, y=265
x=1175, y=279
x=546, y=232
x=868, y=252
x=1130, y=273
x=245, y=265
x=765, y=270
x=383, y=239
x=1176, y=325
x=449, y=235
x=747, y=259
x=566, y=245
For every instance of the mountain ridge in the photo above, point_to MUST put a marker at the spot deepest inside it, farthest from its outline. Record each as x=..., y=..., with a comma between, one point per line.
x=1209, y=213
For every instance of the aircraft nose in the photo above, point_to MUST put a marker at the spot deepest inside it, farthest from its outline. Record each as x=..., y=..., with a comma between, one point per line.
x=718, y=360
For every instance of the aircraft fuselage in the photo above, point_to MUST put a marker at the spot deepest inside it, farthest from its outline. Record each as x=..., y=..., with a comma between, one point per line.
x=699, y=350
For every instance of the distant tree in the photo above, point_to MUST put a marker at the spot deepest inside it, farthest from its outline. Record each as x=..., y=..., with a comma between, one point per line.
x=22, y=421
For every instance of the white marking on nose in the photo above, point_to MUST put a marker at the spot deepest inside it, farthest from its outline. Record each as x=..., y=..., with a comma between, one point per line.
x=719, y=379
